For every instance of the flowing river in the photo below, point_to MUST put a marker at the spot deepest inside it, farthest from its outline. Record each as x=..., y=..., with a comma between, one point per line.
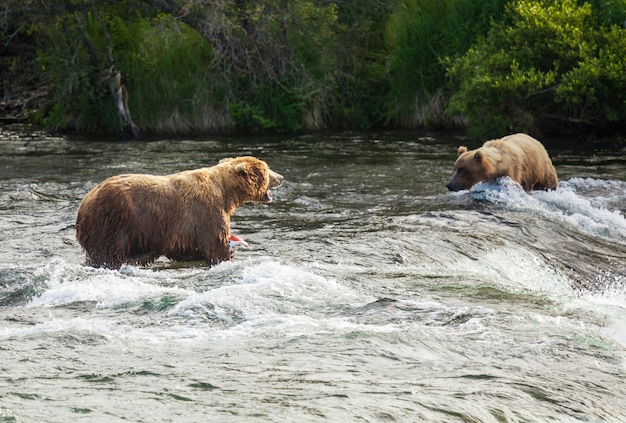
x=369, y=294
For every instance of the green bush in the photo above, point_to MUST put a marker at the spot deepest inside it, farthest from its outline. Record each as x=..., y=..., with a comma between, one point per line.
x=549, y=67
x=419, y=34
x=163, y=63
x=282, y=84
x=68, y=66
x=595, y=90
x=170, y=82
x=273, y=107
x=280, y=65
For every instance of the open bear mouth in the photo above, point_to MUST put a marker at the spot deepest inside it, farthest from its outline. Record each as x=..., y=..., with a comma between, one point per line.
x=268, y=197
x=276, y=181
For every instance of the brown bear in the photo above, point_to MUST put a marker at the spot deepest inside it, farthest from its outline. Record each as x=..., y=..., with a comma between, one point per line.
x=137, y=218
x=518, y=156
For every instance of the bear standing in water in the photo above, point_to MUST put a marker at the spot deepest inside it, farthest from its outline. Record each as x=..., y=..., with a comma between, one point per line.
x=518, y=156
x=136, y=218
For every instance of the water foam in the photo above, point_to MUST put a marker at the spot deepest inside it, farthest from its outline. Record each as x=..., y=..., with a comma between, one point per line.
x=273, y=289
x=502, y=190
x=584, y=203
x=517, y=270
x=99, y=326
x=71, y=283
x=587, y=206
x=580, y=203
x=609, y=303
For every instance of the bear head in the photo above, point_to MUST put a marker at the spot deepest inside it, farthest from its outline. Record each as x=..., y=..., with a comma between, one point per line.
x=256, y=179
x=470, y=168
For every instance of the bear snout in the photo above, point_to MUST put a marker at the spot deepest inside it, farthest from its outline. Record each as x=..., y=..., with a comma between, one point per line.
x=454, y=184
x=276, y=179
x=453, y=187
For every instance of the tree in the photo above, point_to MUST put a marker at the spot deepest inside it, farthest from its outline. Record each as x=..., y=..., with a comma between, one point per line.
x=260, y=63
x=259, y=51
x=419, y=34
x=550, y=67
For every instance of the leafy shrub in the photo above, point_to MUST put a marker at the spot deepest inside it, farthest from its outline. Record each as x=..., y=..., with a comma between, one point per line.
x=594, y=91
x=419, y=34
x=283, y=65
x=549, y=67
x=164, y=66
x=170, y=82
x=286, y=71
x=255, y=67
x=73, y=78
x=273, y=107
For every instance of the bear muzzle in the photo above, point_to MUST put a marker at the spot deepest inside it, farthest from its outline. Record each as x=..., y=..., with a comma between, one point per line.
x=454, y=187
x=276, y=180
x=454, y=184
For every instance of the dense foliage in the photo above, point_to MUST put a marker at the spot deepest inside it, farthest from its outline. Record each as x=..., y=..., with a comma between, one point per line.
x=550, y=66
x=191, y=67
x=421, y=33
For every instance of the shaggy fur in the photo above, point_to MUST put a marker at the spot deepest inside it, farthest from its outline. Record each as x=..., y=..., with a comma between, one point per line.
x=185, y=216
x=519, y=156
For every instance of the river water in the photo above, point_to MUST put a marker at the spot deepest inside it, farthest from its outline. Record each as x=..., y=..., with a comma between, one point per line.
x=369, y=293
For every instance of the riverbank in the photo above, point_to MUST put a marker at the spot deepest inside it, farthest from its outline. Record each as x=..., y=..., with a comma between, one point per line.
x=182, y=68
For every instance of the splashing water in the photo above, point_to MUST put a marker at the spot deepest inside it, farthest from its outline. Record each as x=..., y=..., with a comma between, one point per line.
x=369, y=293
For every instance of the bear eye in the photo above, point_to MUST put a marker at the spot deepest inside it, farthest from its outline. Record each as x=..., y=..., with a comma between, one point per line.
x=461, y=171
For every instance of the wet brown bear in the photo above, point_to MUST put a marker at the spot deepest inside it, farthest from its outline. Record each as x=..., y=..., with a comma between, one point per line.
x=185, y=216
x=518, y=156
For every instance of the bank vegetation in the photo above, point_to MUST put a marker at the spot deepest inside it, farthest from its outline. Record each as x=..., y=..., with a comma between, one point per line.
x=191, y=67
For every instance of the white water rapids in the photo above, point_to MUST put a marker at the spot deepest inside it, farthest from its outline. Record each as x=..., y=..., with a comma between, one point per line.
x=369, y=293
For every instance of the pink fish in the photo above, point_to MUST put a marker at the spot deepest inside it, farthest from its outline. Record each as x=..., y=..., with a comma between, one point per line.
x=235, y=241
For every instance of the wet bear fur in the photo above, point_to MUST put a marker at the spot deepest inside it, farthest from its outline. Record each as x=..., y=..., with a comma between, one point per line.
x=518, y=156
x=136, y=218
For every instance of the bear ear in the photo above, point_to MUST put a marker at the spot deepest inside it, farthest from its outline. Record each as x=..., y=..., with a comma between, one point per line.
x=241, y=168
x=485, y=161
x=462, y=149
